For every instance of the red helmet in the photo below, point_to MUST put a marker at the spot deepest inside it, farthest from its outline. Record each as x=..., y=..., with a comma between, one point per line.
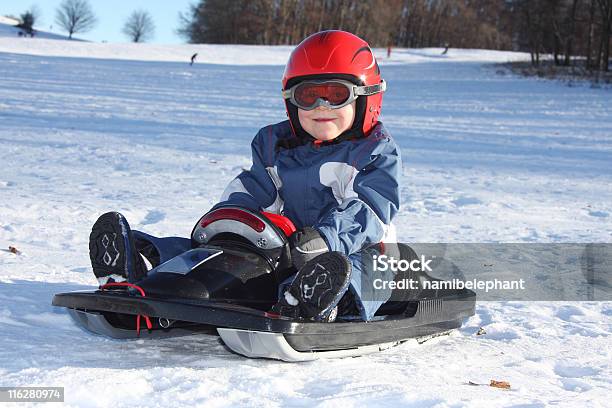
x=336, y=54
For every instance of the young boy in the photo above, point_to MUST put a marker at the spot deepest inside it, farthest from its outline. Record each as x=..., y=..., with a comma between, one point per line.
x=332, y=169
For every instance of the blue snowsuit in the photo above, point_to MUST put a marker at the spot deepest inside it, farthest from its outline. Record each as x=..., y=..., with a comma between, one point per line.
x=349, y=191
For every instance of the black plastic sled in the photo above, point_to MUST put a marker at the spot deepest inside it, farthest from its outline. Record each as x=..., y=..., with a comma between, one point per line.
x=226, y=284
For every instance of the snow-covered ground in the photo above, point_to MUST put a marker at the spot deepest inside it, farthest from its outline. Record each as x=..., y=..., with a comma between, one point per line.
x=9, y=30
x=216, y=54
x=86, y=128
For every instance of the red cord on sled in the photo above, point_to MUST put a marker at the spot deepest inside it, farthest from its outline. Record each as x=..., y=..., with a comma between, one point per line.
x=142, y=293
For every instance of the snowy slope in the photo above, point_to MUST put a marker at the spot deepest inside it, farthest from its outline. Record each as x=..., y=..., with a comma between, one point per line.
x=224, y=54
x=487, y=158
x=8, y=31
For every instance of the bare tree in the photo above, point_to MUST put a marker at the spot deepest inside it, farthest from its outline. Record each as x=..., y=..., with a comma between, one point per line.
x=139, y=26
x=75, y=16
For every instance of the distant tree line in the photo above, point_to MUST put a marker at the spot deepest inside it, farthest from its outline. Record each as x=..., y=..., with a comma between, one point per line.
x=563, y=28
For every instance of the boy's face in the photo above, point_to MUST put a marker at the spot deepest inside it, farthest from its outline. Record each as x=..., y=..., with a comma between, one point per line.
x=323, y=123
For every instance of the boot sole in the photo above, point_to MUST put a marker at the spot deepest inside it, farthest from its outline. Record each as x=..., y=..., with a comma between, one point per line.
x=109, y=248
x=320, y=284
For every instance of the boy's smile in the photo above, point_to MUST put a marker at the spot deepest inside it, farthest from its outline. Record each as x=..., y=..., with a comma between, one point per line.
x=323, y=123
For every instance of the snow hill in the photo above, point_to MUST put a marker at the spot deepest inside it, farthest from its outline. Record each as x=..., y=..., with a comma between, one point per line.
x=218, y=54
x=8, y=30
x=488, y=157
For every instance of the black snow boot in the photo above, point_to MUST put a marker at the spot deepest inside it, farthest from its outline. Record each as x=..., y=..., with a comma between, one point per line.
x=316, y=289
x=112, y=251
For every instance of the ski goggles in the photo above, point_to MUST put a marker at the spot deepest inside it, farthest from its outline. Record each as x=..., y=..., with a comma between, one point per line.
x=334, y=94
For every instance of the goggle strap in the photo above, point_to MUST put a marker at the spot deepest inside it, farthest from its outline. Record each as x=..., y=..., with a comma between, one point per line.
x=371, y=89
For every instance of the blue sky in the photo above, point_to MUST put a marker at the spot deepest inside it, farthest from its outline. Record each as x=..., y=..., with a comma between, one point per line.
x=111, y=17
